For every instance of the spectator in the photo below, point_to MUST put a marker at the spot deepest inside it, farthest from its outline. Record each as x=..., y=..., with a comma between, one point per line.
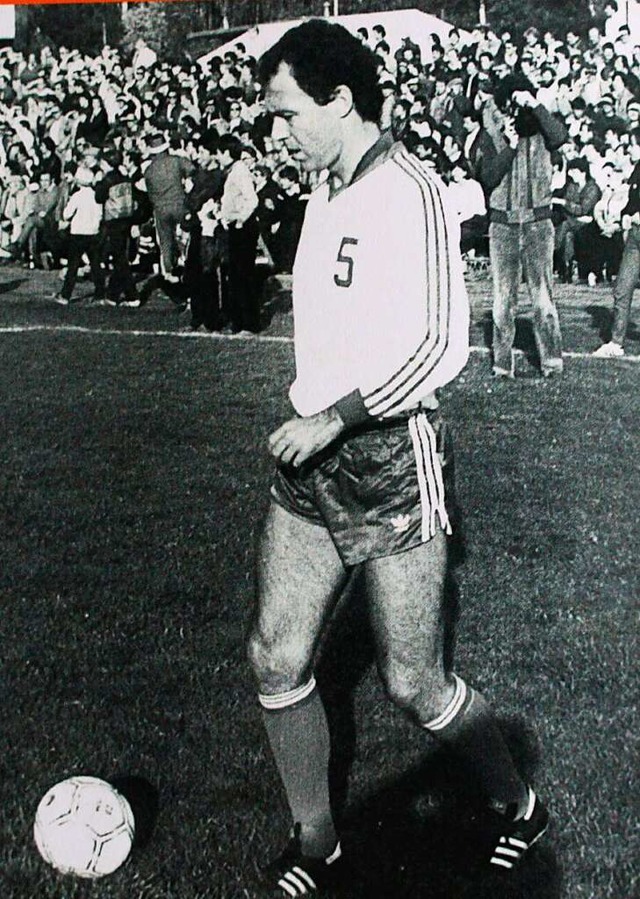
x=629, y=271
x=516, y=173
x=580, y=197
x=39, y=221
x=238, y=211
x=164, y=180
x=144, y=57
x=604, y=235
x=288, y=215
x=207, y=259
x=84, y=215
x=115, y=192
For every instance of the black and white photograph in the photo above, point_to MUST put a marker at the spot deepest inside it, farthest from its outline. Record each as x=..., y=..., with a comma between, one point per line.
x=319, y=495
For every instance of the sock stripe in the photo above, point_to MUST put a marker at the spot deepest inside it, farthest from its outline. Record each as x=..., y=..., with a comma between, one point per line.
x=275, y=701
x=446, y=717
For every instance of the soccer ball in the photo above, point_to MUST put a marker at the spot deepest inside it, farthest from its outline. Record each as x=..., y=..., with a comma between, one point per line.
x=84, y=826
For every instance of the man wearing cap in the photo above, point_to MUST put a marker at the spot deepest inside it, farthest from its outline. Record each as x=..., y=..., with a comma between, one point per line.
x=605, y=117
x=84, y=215
x=164, y=180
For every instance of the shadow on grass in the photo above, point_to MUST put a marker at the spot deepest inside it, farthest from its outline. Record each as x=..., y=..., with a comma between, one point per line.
x=144, y=801
x=524, y=339
x=275, y=293
x=8, y=286
x=422, y=836
x=601, y=318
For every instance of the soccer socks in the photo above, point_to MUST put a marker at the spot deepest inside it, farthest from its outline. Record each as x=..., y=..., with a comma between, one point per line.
x=468, y=727
x=296, y=724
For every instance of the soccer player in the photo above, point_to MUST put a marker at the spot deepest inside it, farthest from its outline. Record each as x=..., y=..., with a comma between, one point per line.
x=381, y=322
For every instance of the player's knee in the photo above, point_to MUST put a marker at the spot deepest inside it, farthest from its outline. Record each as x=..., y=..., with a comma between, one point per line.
x=277, y=665
x=417, y=692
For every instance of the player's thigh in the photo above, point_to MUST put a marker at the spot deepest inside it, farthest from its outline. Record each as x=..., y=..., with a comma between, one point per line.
x=300, y=577
x=406, y=599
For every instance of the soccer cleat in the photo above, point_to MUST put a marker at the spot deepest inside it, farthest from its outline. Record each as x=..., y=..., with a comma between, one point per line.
x=62, y=301
x=609, y=350
x=518, y=836
x=294, y=874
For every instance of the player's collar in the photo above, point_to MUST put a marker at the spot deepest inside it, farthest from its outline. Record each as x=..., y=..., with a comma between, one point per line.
x=375, y=155
x=384, y=147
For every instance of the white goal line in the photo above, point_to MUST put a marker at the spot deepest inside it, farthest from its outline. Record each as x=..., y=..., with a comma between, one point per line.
x=261, y=338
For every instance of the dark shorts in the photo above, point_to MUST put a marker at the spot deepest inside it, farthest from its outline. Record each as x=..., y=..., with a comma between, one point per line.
x=379, y=492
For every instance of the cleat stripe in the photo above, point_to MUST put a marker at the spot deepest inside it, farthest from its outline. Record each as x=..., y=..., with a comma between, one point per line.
x=292, y=880
x=335, y=855
x=287, y=887
x=519, y=843
x=504, y=851
x=303, y=874
x=502, y=862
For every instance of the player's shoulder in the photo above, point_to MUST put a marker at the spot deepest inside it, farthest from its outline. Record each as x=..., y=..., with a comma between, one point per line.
x=411, y=171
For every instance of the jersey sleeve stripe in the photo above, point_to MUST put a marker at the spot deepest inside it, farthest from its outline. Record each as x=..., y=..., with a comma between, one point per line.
x=385, y=399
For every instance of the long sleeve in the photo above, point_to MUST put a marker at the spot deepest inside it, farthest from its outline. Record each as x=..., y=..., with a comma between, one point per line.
x=492, y=165
x=554, y=131
x=585, y=201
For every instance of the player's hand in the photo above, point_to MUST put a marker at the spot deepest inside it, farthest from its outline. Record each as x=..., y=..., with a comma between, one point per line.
x=298, y=439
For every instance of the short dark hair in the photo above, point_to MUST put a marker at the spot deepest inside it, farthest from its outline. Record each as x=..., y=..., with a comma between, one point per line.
x=290, y=172
x=579, y=164
x=508, y=85
x=322, y=56
x=231, y=144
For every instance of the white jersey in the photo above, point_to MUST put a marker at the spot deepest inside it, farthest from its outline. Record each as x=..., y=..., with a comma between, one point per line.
x=380, y=305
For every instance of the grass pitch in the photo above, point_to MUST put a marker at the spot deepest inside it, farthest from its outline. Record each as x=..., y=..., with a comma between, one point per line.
x=134, y=479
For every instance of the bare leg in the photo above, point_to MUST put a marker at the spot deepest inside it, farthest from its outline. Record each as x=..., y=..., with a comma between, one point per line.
x=407, y=597
x=300, y=577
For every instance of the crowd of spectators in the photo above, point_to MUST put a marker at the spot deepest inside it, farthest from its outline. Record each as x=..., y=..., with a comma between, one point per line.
x=81, y=137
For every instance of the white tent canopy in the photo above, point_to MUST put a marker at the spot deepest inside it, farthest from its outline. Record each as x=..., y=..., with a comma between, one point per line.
x=411, y=23
x=7, y=22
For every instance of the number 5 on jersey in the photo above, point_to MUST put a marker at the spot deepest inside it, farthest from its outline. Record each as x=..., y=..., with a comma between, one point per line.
x=345, y=276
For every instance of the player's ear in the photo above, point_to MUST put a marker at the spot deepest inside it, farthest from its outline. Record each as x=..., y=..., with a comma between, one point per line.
x=343, y=99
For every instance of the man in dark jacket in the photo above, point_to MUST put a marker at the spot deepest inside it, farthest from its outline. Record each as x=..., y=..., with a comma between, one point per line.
x=208, y=240
x=515, y=169
x=116, y=194
x=286, y=220
x=579, y=200
x=164, y=179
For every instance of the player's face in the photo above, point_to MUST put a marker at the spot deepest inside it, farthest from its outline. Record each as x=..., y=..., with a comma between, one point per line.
x=311, y=131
